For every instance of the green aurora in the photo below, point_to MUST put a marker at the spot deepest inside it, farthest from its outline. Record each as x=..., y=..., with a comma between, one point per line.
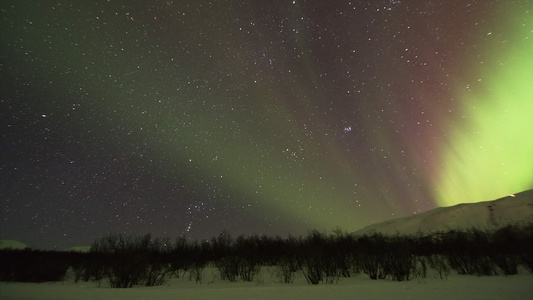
x=180, y=118
x=489, y=153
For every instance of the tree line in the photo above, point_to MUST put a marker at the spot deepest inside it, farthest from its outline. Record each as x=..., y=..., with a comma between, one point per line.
x=126, y=260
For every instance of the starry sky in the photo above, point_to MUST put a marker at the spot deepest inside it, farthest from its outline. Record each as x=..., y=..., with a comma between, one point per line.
x=256, y=117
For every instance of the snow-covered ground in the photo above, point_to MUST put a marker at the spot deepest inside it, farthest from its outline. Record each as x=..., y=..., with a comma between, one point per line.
x=359, y=287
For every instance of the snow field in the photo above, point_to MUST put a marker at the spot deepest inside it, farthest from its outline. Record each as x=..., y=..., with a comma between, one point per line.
x=515, y=287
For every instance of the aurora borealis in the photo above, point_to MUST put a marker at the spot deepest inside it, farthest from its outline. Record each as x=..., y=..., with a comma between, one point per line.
x=257, y=117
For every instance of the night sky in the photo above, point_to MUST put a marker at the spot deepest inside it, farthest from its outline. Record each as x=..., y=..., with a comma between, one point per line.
x=256, y=117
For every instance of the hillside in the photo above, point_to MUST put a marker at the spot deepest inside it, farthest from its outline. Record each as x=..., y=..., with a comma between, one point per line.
x=12, y=244
x=82, y=249
x=488, y=215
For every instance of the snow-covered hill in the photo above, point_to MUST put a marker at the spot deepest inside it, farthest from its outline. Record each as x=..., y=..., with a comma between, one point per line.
x=488, y=215
x=79, y=249
x=12, y=244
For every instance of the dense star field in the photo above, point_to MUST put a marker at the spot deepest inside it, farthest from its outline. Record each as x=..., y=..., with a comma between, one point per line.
x=257, y=117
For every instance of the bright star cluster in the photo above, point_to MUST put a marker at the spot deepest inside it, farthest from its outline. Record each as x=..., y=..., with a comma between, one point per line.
x=257, y=117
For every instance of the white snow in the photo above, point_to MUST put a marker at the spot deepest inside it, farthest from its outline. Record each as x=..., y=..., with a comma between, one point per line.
x=79, y=249
x=12, y=244
x=360, y=287
x=489, y=215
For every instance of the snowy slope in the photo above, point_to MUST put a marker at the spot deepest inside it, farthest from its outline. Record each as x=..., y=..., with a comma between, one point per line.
x=79, y=249
x=12, y=244
x=488, y=215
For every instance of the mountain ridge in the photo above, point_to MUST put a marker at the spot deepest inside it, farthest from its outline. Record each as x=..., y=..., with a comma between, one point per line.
x=515, y=209
x=12, y=244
